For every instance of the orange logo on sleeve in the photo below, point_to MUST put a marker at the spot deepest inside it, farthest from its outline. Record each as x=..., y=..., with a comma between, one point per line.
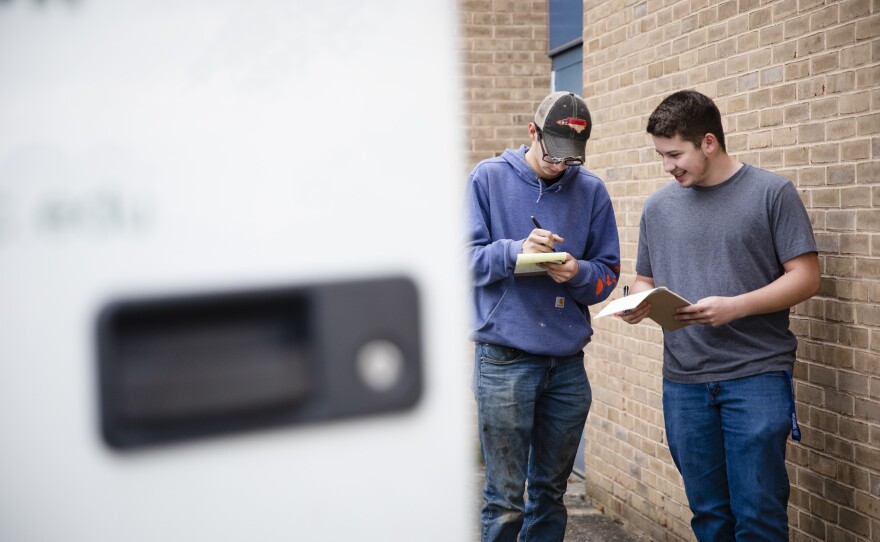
x=600, y=284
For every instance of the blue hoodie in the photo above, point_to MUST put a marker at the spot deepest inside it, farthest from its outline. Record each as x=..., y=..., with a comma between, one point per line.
x=534, y=313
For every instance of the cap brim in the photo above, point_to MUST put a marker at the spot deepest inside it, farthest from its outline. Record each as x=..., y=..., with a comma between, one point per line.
x=563, y=147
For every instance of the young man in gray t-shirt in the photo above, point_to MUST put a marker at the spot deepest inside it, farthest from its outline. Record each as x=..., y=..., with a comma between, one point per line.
x=736, y=241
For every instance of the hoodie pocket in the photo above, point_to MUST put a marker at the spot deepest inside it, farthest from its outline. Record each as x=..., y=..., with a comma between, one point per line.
x=537, y=316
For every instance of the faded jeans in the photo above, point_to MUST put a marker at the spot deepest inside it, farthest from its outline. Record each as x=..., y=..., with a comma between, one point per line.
x=531, y=411
x=727, y=439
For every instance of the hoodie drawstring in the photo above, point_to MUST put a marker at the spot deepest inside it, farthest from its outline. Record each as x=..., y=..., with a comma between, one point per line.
x=555, y=188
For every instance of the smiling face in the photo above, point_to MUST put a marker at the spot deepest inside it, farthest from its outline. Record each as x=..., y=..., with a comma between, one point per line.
x=683, y=160
x=689, y=137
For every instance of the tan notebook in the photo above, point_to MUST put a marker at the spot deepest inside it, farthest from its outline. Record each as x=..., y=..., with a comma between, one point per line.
x=527, y=264
x=663, y=304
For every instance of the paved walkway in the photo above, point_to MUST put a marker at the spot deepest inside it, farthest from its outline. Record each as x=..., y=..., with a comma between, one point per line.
x=585, y=523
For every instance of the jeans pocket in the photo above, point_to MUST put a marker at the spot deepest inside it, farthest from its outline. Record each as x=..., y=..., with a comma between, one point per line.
x=498, y=354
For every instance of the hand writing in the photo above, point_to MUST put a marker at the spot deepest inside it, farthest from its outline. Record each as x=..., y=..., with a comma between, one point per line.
x=540, y=241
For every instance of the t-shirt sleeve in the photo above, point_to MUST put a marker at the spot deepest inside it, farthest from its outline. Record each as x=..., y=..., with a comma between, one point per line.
x=792, y=231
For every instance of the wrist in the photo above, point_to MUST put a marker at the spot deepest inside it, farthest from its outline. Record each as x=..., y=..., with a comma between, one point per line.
x=740, y=306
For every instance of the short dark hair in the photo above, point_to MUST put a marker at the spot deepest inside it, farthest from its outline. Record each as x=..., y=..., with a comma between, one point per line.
x=689, y=115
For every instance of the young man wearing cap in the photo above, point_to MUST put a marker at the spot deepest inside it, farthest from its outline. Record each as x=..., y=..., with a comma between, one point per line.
x=530, y=385
x=737, y=241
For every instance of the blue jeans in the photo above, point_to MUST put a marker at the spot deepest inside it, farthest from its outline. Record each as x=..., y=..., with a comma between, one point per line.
x=728, y=440
x=531, y=411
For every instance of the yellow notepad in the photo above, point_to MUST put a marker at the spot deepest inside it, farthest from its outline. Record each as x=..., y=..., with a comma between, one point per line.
x=527, y=264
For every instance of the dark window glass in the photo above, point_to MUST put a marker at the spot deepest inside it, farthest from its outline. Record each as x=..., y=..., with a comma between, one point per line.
x=566, y=24
x=565, y=33
x=568, y=71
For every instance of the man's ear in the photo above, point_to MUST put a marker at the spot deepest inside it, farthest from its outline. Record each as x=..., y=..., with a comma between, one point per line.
x=710, y=143
x=533, y=131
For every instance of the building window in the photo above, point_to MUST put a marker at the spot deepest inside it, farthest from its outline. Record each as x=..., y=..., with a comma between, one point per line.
x=566, y=39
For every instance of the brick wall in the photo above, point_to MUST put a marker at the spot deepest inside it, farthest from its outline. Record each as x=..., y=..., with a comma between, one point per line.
x=798, y=84
x=506, y=72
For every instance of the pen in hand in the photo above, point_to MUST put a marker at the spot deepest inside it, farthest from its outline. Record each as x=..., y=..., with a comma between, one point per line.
x=538, y=225
x=625, y=293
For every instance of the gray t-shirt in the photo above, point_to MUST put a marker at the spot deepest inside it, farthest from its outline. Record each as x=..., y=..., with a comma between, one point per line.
x=725, y=240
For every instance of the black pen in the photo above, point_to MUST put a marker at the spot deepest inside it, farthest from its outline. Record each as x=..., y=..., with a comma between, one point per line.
x=625, y=291
x=537, y=225
x=535, y=222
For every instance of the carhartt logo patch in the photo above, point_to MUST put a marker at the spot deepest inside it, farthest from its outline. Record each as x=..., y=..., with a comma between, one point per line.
x=560, y=302
x=578, y=125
